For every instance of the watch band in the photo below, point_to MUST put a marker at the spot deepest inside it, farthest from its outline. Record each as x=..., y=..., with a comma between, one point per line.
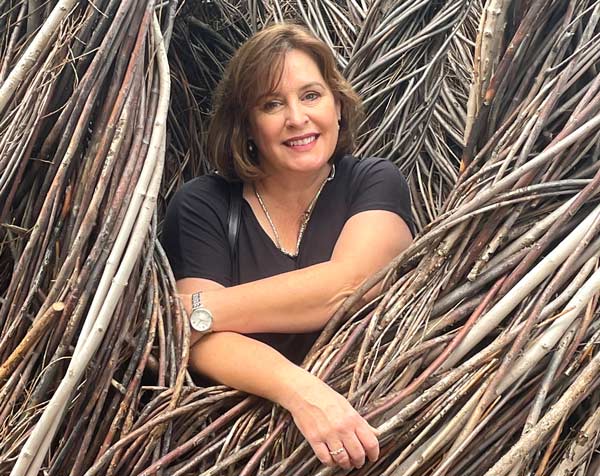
x=196, y=300
x=201, y=319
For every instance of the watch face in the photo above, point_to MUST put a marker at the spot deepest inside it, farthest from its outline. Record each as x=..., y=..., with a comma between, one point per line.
x=201, y=320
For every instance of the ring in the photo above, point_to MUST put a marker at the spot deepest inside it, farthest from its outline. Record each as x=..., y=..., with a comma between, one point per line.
x=337, y=452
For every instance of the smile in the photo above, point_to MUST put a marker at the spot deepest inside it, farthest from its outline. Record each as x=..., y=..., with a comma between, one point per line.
x=302, y=142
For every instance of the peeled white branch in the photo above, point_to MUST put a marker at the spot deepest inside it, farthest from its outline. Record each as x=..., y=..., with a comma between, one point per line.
x=546, y=342
x=552, y=307
x=132, y=235
x=42, y=39
x=522, y=242
x=515, y=296
x=487, y=55
x=557, y=412
x=580, y=447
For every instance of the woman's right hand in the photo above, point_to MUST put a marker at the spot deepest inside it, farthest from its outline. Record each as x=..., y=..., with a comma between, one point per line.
x=329, y=423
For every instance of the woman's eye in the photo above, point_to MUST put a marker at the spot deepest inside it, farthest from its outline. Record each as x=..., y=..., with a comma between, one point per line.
x=271, y=105
x=312, y=96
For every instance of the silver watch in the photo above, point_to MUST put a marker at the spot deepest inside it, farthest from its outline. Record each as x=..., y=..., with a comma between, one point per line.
x=201, y=318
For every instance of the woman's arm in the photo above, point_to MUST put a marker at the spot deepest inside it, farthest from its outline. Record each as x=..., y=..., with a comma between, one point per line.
x=324, y=417
x=296, y=302
x=303, y=300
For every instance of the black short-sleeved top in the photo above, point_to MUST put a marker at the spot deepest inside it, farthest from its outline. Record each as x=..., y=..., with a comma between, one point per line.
x=195, y=230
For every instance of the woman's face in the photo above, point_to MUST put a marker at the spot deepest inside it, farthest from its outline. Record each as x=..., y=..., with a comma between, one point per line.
x=295, y=128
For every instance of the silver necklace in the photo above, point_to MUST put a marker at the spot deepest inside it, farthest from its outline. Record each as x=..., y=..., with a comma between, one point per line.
x=305, y=216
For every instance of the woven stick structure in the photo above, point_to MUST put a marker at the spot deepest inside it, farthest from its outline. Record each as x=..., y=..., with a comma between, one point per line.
x=480, y=358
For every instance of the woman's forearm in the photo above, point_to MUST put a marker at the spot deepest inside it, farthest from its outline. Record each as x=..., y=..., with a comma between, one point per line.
x=248, y=365
x=323, y=416
x=295, y=302
x=305, y=299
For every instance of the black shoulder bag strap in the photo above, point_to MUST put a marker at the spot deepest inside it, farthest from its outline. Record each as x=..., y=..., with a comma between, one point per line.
x=233, y=228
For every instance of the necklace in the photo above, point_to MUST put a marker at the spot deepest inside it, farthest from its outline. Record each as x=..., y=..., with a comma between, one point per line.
x=305, y=216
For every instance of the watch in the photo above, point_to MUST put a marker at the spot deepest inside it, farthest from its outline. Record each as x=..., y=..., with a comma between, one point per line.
x=201, y=318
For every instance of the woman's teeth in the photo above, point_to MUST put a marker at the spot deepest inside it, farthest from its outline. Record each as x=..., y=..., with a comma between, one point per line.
x=306, y=140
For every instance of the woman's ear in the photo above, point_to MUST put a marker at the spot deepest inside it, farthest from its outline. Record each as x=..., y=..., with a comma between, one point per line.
x=338, y=109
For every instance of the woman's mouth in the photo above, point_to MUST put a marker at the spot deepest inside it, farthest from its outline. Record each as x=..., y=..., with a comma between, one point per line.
x=305, y=143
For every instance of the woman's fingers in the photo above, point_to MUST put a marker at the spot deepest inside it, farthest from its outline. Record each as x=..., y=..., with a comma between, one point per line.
x=322, y=452
x=375, y=431
x=368, y=439
x=336, y=432
x=339, y=454
x=354, y=450
x=348, y=449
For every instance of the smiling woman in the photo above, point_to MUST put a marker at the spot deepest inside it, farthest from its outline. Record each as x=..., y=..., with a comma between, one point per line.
x=315, y=223
x=295, y=127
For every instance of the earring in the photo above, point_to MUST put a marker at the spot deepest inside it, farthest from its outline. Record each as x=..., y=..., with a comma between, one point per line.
x=251, y=147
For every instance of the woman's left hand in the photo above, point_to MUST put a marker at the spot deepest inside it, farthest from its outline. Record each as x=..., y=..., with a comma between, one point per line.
x=335, y=430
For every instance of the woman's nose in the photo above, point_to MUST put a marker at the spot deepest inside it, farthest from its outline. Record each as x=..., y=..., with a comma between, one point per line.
x=296, y=115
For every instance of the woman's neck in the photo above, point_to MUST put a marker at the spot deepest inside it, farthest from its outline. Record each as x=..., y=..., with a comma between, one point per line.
x=293, y=191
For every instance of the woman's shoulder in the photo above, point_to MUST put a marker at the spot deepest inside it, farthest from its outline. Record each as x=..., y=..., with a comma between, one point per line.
x=355, y=165
x=358, y=169
x=377, y=184
x=200, y=199
x=210, y=189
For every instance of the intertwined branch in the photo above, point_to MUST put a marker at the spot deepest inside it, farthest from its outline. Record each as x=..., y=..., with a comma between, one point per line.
x=86, y=293
x=481, y=355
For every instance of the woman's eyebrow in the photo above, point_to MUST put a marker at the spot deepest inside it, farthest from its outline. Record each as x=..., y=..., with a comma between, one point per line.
x=312, y=85
x=272, y=94
x=265, y=96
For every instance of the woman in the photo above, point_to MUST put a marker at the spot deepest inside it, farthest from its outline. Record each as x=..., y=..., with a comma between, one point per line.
x=315, y=223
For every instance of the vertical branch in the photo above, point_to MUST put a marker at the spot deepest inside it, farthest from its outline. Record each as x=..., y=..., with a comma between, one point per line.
x=43, y=37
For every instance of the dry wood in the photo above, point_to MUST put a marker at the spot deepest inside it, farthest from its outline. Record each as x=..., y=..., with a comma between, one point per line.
x=488, y=321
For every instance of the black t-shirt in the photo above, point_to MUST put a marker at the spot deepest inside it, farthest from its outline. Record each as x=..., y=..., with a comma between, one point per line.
x=195, y=230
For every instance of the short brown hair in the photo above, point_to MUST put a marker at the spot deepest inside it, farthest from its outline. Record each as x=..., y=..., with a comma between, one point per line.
x=256, y=65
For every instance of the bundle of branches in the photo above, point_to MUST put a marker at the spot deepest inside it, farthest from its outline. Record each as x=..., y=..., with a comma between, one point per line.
x=205, y=35
x=411, y=64
x=494, y=330
x=482, y=355
x=85, y=294
x=82, y=103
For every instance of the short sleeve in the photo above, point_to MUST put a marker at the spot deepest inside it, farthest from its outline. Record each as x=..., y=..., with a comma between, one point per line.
x=194, y=231
x=377, y=184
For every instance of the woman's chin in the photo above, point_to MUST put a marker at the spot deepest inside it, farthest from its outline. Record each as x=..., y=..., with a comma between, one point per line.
x=308, y=166
x=307, y=162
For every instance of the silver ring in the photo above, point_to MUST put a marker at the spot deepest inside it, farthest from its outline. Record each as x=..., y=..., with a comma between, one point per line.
x=337, y=452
